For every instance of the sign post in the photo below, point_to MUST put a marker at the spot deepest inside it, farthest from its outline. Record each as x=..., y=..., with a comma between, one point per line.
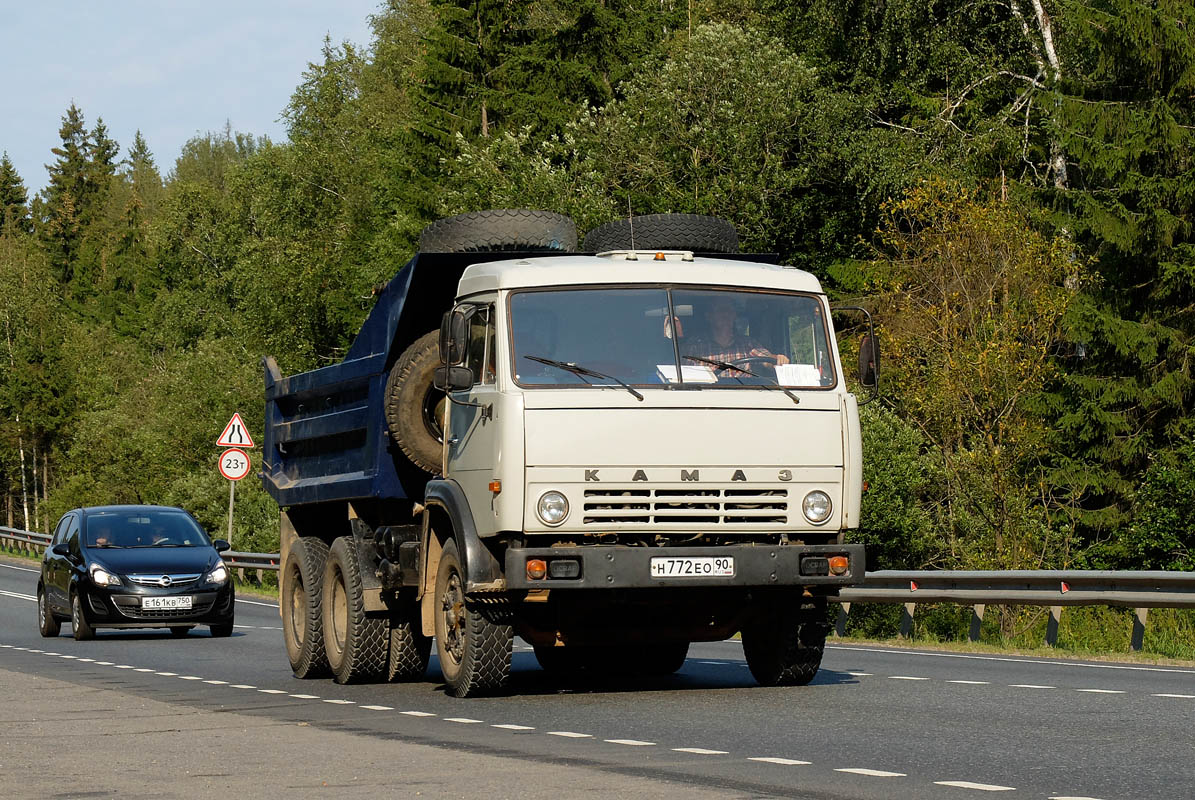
x=234, y=462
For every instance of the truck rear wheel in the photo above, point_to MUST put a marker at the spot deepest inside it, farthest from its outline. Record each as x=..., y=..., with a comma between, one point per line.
x=473, y=640
x=665, y=232
x=410, y=650
x=301, y=597
x=357, y=645
x=781, y=651
x=414, y=407
x=500, y=229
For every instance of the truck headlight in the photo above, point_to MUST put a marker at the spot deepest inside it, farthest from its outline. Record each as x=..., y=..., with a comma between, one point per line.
x=102, y=577
x=552, y=508
x=817, y=506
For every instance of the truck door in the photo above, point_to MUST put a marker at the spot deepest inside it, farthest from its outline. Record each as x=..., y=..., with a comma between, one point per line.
x=470, y=445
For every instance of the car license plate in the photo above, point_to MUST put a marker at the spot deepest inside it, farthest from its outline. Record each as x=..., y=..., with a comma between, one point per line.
x=173, y=603
x=693, y=567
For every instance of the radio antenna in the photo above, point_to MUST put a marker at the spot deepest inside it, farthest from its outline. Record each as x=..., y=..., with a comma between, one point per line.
x=631, y=222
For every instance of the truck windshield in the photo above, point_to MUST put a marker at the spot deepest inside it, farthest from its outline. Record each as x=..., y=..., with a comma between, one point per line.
x=721, y=338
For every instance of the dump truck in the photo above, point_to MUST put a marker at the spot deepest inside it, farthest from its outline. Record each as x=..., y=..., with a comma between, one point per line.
x=610, y=453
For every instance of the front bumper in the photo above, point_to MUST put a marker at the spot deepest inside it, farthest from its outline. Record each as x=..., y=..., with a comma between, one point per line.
x=621, y=567
x=120, y=607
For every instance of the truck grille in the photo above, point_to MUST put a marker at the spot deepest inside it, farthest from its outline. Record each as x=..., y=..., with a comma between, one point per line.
x=708, y=506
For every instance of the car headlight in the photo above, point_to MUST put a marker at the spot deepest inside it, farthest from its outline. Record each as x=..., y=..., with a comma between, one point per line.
x=219, y=574
x=552, y=508
x=817, y=506
x=102, y=577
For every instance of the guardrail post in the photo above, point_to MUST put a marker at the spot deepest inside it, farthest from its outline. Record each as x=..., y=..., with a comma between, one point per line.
x=844, y=610
x=241, y=574
x=976, y=621
x=1139, y=617
x=1052, y=625
x=906, y=619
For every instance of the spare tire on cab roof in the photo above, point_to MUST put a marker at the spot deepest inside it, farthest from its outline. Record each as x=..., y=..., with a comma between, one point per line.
x=665, y=232
x=499, y=230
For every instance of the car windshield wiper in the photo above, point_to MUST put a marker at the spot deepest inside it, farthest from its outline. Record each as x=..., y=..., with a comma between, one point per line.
x=584, y=372
x=726, y=365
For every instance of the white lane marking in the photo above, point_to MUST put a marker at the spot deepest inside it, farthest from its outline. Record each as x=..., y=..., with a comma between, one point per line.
x=130, y=666
x=972, y=683
x=214, y=683
x=379, y=708
x=87, y=659
x=1030, y=686
x=189, y=678
x=342, y=702
x=860, y=674
x=872, y=773
x=64, y=655
x=22, y=569
x=714, y=663
x=417, y=713
x=906, y=678
x=464, y=720
x=35, y=650
x=1183, y=696
x=788, y=762
x=631, y=742
x=143, y=669
x=983, y=787
x=1004, y=659
x=509, y=727
x=1072, y=797
x=103, y=663
x=166, y=674
x=17, y=595
x=5, y=646
x=701, y=751
x=241, y=686
x=570, y=734
x=48, y=653
x=306, y=696
x=1100, y=691
x=271, y=691
x=255, y=603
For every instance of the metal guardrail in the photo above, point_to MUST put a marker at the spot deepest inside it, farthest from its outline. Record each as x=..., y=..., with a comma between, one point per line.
x=1053, y=589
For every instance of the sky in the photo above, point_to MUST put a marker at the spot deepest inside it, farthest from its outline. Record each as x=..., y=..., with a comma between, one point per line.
x=171, y=69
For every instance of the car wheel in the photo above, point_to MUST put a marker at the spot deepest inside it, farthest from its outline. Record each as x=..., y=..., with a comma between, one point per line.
x=221, y=630
x=302, y=607
x=357, y=645
x=49, y=626
x=180, y=631
x=82, y=629
x=473, y=639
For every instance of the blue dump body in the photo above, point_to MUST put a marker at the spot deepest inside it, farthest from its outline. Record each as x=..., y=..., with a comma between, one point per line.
x=325, y=431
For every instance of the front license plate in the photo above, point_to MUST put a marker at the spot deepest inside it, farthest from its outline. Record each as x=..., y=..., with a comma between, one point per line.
x=174, y=603
x=693, y=567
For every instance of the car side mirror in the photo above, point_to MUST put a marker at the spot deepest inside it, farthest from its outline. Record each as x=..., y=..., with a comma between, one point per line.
x=61, y=549
x=221, y=545
x=452, y=379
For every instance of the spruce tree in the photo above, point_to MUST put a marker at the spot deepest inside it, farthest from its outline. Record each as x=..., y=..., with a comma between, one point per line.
x=59, y=213
x=14, y=205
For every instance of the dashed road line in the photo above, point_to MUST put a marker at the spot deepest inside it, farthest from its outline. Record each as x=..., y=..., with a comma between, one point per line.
x=463, y=720
x=570, y=734
x=166, y=674
x=342, y=702
x=217, y=683
x=1030, y=686
x=860, y=674
x=1072, y=797
x=906, y=678
x=983, y=787
x=972, y=683
x=701, y=751
x=631, y=742
x=506, y=726
x=1100, y=691
x=272, y=691
x=306, y=696
x=240, y=686
x=417, y=713
x=190, y=678
x=379, y=708
x=787, y=762
x=1182, y=696
x=871, y=773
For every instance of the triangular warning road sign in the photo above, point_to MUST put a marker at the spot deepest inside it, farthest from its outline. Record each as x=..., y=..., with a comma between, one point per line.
x=236, y=434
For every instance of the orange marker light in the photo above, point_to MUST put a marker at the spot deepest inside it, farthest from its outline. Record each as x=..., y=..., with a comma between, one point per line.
x=660, y=257
x=839, y=564
x=537, y=568
x=495, y=486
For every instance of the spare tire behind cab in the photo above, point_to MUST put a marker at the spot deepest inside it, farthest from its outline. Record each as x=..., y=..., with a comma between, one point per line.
x=665, y=232
x=414, y=407
x=499, y=230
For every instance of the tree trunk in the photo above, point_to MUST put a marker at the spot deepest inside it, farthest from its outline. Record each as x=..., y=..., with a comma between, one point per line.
x=24, y=489
x=36, y=500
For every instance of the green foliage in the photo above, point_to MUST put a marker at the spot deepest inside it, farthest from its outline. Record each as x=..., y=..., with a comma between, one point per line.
x=14, y=200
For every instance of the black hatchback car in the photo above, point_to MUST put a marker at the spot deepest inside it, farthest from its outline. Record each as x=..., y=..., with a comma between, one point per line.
x=133, y=567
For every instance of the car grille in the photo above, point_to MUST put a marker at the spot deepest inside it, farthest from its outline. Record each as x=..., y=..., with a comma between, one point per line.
x=723, y=507
x=131, y=607
x=156, y=579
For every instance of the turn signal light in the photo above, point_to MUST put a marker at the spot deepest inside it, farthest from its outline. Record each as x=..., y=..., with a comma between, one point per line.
x=495, y=486
x=661, y=257
x=537, y=568
x=839, y=564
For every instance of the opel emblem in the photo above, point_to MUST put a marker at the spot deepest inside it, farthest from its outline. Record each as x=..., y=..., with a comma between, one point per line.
x=164, y=581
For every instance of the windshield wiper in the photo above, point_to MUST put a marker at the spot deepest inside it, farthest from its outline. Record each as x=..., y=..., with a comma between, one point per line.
x=584, y=372
x=725, y=365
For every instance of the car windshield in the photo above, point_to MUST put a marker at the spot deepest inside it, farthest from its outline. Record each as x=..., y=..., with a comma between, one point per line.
x=144, y=529
x=720, y=338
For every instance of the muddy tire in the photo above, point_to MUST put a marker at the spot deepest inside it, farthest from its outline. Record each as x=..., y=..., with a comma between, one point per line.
x=357, y=645
x=781, y=651
x=473, y=639
x=665, y=232
x=414, y=407
x=301, y=598
x=48, y=626
x=410, y=650
x=500, y=229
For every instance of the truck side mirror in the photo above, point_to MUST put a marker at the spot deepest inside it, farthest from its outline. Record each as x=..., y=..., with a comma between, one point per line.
x=454, y=334
x=452, y=379
x=869, y=360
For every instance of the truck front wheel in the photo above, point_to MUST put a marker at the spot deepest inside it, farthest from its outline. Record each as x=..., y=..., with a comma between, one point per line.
x=782, y=651
x=357, y=645
x=473, y=639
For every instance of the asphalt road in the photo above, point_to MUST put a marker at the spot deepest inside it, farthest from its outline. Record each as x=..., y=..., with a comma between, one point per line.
x=875, y=723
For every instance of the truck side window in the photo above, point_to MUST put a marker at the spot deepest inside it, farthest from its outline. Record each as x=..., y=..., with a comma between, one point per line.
x=481, y=350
